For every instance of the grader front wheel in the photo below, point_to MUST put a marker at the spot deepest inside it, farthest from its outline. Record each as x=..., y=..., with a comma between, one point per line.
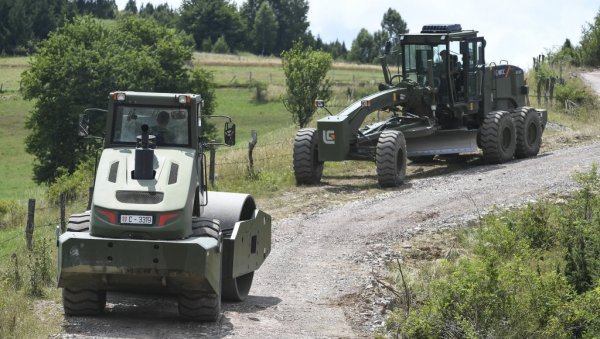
x=308, y=170
x=391, y=159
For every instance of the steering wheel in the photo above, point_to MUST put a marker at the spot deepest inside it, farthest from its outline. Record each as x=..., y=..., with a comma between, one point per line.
x=395, y=76
x=404, y=78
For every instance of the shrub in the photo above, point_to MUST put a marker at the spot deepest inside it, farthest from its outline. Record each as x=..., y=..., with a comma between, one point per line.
x=74, y=186
x=12, y=213
x=533, y=272
x=581, y=235
x=574, y=90
x=221, y=46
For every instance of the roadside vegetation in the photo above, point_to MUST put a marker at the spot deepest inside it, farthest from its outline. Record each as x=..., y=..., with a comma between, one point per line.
x=531, y=272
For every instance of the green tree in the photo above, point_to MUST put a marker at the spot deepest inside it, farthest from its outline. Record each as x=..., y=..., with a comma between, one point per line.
x=131, y=7
x=104, y=9
x=25, y=22
x=163, y=14
x=212, y=19
x=265, y=29
x=147, y=10
x=590, y=43
x=305, y=71
x=221, y=46
x=393, y=24
x=293, y=16
x=362, y=47
x=293, y=13
x=81, y=63
x=379, y=39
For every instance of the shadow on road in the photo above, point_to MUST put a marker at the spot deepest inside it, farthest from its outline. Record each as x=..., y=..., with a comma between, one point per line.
x=155, y=316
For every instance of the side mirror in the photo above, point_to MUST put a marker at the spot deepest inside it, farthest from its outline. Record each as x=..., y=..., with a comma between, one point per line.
x=91, y=123
x=229, y=134
x=83, y=129
x=388, y=47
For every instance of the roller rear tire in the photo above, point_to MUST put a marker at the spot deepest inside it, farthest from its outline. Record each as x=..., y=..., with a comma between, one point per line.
x=78, y=302
x=199, y=306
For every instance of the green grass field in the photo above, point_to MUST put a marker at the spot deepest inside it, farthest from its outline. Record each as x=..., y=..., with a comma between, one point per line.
x=16, y=164
x=270, y=119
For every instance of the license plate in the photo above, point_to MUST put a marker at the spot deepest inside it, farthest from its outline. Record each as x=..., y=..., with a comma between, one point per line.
x=136, y=219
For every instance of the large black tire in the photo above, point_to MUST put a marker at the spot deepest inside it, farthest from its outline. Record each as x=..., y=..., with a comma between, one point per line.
x=78, y=302
x=528, y=126
x=308, y=170
x=204, y=227
x=237, y=289
x=391, y=158
x=421, y=159
x=79, y=222
x=497, y=137
x=199, y=306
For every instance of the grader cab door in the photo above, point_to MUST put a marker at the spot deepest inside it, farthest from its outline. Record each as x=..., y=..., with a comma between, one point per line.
x=473, y=51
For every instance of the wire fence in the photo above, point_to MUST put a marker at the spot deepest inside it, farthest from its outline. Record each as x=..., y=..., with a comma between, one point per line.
x=22, y=236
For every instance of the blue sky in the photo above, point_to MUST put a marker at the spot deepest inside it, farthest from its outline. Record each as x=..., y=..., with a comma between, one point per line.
x=515, y=30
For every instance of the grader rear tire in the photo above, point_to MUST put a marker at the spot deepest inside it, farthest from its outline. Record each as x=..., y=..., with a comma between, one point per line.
x=529, y=132
x=391, y=159
x=308, y=170
x=497, y=137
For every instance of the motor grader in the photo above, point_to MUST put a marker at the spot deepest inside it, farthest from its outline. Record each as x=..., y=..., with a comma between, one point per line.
x=443, y=99
x=153, y=227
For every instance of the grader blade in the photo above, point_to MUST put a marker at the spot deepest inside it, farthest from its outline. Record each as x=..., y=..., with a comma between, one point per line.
x=443, y=142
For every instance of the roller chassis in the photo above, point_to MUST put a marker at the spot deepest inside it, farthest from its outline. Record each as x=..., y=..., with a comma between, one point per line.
x=152, y=226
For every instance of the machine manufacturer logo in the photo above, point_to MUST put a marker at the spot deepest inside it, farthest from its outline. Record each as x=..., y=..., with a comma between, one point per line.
x=329, y=137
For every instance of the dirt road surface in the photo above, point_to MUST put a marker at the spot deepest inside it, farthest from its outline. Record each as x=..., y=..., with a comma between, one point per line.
x=322, y=261
x=593, y=78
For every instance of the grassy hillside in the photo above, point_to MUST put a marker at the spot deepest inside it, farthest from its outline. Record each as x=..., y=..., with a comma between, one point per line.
x=16, y=164
x=233, y=74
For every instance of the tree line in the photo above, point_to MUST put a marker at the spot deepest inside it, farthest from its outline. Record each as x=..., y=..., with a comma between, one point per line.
x=24, y=23
x=587, y=53
x=262, y=27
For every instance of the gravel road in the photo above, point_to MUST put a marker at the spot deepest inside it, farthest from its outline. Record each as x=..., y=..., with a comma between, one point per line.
x=322, y=260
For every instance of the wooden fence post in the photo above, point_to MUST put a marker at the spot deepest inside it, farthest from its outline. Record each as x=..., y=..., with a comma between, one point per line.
x=30, y=224
x=90, y=196
x=63, y=224
x=251, y=145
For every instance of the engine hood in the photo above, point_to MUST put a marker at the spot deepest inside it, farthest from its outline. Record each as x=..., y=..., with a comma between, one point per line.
x=175, y=176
